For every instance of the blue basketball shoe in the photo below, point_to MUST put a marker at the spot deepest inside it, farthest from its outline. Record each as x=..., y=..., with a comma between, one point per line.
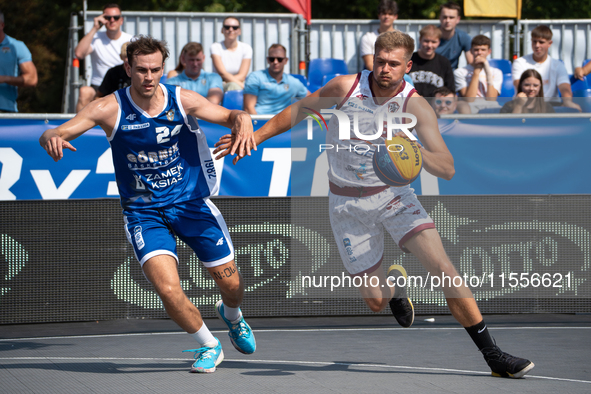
x=207, y=358
x=240, y=333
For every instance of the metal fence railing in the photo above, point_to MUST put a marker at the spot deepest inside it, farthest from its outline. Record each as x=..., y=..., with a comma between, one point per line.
x=340, y=38
x=177, y=28
x=323, y=38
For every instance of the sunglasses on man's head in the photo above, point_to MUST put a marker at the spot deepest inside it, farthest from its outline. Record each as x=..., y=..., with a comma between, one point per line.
x=228, y=27
x=272, y=59
x=112, y=17
x=447, y=102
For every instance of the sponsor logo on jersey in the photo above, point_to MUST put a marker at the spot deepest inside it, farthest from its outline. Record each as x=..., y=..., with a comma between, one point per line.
x=135, y=126
x=130, y=117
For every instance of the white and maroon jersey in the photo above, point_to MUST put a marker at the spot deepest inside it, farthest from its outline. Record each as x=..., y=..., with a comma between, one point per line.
x=351, y=164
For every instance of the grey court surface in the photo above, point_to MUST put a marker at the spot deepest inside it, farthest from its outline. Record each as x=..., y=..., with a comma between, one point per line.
x=361, y=354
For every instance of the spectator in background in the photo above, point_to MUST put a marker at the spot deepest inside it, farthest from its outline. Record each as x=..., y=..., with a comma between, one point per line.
x=179, y=67
x=478, y=79
x=16, y=69
x=104, y=48
x=270, y=91
x=193, y=77
x=387, y=14
x=530, y=95
x=231, y=58
x=453, y=41
x=116, y=78
x=444, y=101
x=580, y=72
x=429, y=69
x=553, y=72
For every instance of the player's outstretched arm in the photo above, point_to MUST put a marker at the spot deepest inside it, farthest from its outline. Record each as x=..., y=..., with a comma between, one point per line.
x=102, y=112
x=240, y=122
x=332, y=93
x=437, y=159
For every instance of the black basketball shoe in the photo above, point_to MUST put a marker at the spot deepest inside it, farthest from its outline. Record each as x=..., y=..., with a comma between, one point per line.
x=400, y=304
x=505, y=365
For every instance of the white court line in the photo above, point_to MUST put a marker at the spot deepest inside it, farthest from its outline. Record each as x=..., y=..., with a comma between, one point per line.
x=288, y=362
x=295, y=330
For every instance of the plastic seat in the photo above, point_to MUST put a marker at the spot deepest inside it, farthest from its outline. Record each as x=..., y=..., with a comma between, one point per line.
x=318, y=68
x=507, y=89
x=302, y=79
x=502, y=64
x=585, y=101
x=234, y=99
x=577, y=84
x=588, y=77
x=582, y=93
x=328, y=77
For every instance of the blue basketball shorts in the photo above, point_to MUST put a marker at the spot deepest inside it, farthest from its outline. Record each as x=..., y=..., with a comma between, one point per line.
x=198, y=223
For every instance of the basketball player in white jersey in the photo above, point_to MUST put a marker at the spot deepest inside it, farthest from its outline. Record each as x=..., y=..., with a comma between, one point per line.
x=360, y=209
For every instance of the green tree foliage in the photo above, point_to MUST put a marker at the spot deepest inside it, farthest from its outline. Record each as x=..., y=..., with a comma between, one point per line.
x=43, y=26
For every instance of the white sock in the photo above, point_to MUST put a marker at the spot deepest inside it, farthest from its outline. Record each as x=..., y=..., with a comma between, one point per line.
x=231, y=314
x=204, y=337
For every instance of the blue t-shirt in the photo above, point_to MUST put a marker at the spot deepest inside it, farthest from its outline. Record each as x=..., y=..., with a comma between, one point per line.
x=12, y=54
x=452, y=48
x=201, y=85
x=272, y=96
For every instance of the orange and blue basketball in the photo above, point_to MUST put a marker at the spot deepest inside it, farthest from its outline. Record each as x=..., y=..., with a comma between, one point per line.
x=398, y=162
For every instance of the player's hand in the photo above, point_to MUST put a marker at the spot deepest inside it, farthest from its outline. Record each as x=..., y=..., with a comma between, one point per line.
x=403, y=135
x=242, y=136
x=224, y=145
x=55, y=146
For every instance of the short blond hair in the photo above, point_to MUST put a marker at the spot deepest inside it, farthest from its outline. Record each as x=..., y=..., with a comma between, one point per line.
x=391, y=40
x=430, y=31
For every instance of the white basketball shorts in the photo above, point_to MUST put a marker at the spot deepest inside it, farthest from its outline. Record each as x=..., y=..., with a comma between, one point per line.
x=358, y=225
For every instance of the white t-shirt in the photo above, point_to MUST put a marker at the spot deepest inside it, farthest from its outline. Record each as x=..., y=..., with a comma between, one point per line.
x=105, y=54
x=463, y=76
x=231, y=59
x=553, y=72
x=367, y=43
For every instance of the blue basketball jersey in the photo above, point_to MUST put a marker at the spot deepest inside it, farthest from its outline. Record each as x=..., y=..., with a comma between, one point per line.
x=160, y=160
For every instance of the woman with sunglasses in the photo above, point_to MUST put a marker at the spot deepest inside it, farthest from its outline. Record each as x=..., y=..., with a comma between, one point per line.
x=530, y=95
x=231, y=58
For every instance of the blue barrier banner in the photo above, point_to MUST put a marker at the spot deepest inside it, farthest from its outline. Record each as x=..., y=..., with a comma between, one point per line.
x=492, y=156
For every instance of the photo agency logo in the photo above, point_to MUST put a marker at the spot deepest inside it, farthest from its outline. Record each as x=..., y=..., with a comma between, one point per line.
x=357, y=127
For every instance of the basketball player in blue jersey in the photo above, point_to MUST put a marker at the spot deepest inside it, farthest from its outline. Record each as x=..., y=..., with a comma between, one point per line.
x=165, y=175
x=360, y=209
